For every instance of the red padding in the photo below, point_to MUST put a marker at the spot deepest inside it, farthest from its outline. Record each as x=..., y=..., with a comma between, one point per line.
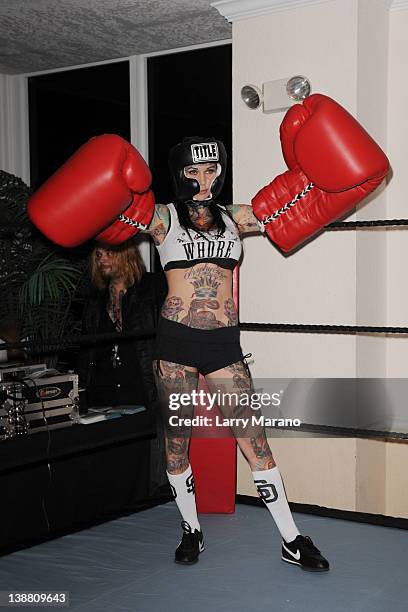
x=213, y=461
x=213, y=458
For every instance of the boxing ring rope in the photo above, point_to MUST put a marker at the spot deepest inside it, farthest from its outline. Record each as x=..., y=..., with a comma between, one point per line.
x=348, y=225
x=321, y=329
x=335, y=329
x=48, y=345
x=52, y=345
x=8, y=225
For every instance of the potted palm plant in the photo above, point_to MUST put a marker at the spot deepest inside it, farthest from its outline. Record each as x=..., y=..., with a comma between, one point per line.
x=38, y=281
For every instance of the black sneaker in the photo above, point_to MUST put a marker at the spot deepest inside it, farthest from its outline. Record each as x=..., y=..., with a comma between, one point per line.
x=191, y=545
x=301, y=551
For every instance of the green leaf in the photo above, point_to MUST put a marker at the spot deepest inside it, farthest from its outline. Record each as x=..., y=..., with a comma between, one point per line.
x=53, y=279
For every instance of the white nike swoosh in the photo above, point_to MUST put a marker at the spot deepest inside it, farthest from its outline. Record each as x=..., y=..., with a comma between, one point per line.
x=292, y=554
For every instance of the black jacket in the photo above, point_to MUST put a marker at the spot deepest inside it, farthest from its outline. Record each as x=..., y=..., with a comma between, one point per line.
x=140, y=311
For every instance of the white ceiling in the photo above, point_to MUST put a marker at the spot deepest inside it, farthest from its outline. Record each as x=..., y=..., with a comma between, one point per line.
x=46, y=34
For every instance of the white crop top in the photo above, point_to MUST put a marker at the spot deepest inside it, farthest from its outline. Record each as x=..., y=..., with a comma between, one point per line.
x=182, y=249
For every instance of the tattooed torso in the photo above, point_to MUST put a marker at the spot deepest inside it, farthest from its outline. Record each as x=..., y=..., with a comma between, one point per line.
x=200, y=297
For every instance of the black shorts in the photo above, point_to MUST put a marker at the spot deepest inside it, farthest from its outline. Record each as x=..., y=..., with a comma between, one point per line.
x=208, y=350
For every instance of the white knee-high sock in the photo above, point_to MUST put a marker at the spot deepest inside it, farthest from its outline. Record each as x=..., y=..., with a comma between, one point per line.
x=271, y=490
x=182, y=486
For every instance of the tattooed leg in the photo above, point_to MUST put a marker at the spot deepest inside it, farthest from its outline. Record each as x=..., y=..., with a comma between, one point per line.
x=254, y=445
x=262, y=454
x=173, y=378
x=177, y=454
x=234, y=381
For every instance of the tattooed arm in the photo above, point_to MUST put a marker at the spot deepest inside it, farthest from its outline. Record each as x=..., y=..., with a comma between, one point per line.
x=244, y=218
x=160, y=224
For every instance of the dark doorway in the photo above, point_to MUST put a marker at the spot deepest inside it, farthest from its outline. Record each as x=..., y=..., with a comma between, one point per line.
x=67, y=108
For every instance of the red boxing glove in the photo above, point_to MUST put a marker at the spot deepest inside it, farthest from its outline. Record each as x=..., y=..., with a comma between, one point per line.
x=107, y=176
x=334, y=164
x=135, y=218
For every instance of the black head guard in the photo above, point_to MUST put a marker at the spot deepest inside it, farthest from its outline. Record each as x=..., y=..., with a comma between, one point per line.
x=196, y=150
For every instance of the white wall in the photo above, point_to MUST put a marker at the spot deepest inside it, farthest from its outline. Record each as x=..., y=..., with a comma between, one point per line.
x=317, y=284
x=14, y=151
x=329, y=475
x=371, y=254
x=397, y=291
x=356, y=52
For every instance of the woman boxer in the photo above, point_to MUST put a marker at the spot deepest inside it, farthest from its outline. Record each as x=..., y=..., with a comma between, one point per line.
x=199, y=243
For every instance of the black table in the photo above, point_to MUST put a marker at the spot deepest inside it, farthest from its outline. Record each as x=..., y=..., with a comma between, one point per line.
x=64, y=479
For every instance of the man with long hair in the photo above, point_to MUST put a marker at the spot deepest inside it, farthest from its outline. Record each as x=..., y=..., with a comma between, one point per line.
x=124, y=298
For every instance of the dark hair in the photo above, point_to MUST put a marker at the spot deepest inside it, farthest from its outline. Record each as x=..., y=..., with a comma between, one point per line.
x=130, y=262
x=216, y=211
